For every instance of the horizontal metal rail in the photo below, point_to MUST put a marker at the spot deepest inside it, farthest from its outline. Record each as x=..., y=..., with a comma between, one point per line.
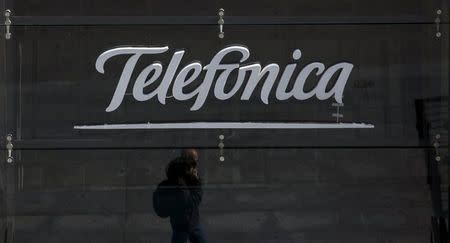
x=65, y=146
x=212, y=20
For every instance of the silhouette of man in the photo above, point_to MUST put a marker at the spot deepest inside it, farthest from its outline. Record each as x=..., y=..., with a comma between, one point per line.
x=179, y=197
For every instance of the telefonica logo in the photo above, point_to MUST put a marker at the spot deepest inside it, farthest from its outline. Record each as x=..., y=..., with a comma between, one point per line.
x=188, y=74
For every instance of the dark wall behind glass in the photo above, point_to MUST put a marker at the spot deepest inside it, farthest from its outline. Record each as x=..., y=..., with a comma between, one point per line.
x=369, y=185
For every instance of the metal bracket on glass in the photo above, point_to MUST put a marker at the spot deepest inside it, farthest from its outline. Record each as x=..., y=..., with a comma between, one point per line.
x=8, y=24
x=438, y=23
x=221, y=22
x=338, y=115
x=9, y=148
x=436, y=147
x=221, y=146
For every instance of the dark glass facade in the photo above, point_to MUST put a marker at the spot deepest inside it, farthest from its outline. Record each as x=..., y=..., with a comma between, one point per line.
x=383, y=183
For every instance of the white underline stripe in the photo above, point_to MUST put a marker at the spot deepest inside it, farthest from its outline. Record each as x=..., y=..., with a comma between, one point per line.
x=226, y=125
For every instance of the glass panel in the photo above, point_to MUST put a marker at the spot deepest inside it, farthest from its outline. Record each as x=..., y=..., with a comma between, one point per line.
x=254, y=195
x=372, y=175
x=2, y=85
x=70, y=196
x=395, y=68
x=3, y=198
x=322, y=8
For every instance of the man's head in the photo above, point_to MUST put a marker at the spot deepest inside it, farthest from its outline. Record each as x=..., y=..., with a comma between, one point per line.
x=190, y=154
x=191, y=157
x=184, y=165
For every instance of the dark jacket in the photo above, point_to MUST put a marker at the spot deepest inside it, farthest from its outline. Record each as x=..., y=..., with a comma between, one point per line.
x=179, y=200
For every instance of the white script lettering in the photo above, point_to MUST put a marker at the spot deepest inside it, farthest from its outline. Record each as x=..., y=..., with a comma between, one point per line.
x=266, y=75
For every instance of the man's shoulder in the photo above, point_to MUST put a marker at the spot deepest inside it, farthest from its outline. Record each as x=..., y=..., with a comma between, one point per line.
x=166, y=183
